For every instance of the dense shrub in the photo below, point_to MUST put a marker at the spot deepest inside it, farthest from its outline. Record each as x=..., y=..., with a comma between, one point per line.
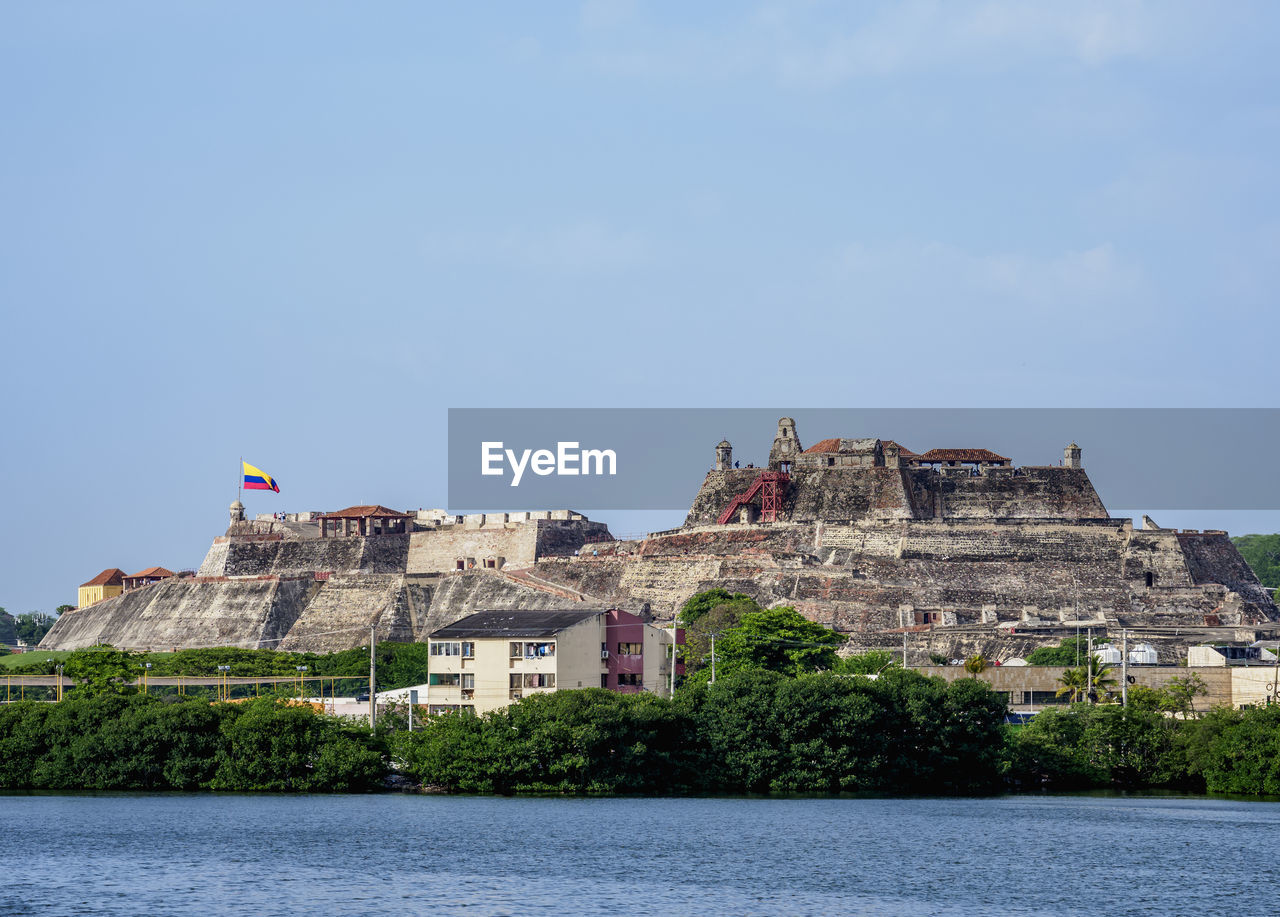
x=753, y=731
x=120, y=742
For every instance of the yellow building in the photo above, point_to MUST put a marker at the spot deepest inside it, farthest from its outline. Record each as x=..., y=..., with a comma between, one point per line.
x=490, y=659
x=103, y=586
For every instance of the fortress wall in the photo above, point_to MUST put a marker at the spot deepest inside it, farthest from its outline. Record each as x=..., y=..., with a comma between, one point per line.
x=384, y=553
x=215, y=562
x=557, y=538
x=340, y=612
x=716, y=492
x=375, y=554
x=847, y=494
x=439, y=551
x=185, y=613
x=456, y=595
x=1159, y=553
x=1024, y=493
x=666, y=583
x=1032, y=542
x=597, y=577
x=732, y=539
x=292, y=558
x=879, y=542
x=1212, y=558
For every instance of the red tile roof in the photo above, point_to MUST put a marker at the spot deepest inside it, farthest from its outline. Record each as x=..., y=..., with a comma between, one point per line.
x=110, y=577
x=826, y=445
x=364, y=512
x=962, y=455
x=160, y=572
x=833, y=445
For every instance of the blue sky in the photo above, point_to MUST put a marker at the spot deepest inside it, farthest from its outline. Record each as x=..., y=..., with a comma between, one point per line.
x=301, y=232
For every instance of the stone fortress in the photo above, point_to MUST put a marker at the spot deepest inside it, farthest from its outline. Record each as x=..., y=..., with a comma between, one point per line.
x=953, y=550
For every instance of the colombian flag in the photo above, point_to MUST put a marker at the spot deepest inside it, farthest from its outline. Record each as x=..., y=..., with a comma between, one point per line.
x=257, y=479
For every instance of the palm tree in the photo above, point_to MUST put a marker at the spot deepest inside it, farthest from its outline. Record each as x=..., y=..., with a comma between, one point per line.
x=976, y=664
x=1075, y=684
x=1104, y=678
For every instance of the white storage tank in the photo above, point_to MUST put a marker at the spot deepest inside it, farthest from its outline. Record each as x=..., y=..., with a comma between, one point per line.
x=1143, y=654
x=1107, y=654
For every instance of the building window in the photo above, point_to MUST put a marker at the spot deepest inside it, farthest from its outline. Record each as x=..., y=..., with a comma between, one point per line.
x=468, y=650
x=539, y=650
x=444, y=679
x=630, y=680
x=630, y=649
x=460, y=565
x=446, y=649
x=513, y=681
x=539, y=680
x=517, y=651
x=604, y=681
x=469, y=681
x=1151, y=579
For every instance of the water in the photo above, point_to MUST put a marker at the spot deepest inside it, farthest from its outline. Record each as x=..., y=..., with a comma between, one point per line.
x=408, y=855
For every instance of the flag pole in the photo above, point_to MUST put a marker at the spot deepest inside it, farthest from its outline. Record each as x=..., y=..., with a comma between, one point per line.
x=240, y=481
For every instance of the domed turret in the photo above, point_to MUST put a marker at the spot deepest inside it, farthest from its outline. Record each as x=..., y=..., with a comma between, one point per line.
x=237, y=512
x=724, y=456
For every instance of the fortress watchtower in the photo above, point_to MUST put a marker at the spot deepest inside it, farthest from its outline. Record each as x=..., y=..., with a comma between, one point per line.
x=1071, y=457
x=724, y=456
x=786, y=445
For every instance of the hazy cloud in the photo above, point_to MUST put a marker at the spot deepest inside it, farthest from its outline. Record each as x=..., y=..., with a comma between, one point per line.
x=1089, y=281
x=823, y=44
x=580, y=247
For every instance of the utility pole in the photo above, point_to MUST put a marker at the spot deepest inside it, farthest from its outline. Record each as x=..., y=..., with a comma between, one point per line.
x=713, y=659
x=1088, y=684
x=373, y=675
x=675, y=636
x=1124, y=668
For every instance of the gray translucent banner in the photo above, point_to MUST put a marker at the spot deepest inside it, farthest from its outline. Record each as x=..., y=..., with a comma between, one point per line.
x=656, y=458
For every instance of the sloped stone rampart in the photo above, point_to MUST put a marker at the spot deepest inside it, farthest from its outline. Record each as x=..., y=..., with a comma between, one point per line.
x=187, y=612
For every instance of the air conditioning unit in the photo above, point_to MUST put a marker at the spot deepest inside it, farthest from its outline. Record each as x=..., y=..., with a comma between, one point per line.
x=604, y=654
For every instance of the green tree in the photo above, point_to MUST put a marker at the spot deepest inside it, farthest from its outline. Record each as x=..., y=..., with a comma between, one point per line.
x=1262, y=553
x=1180, y=692
x=872, y=662
x=715, y=623
x=1082, y=746
x=779, y=640
x=701, y=603
x=976, y=664
x=102, y=670
x=1069, y=652
x=270, y=746
x=1236, y=751
x=32, y=626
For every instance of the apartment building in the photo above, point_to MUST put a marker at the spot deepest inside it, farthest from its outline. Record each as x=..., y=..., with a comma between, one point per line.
x=489, y=659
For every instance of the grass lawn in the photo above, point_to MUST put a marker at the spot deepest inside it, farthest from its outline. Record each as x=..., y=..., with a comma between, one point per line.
x=38, y=655
x=16, y=659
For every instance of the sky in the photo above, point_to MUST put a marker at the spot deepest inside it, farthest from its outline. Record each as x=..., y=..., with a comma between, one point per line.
x=300, y=232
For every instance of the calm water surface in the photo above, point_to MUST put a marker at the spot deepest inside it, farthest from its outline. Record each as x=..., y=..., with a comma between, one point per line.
x=391, y=855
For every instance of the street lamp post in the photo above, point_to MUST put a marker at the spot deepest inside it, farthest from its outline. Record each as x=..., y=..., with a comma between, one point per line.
x=302, y=677
x=224, y=686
